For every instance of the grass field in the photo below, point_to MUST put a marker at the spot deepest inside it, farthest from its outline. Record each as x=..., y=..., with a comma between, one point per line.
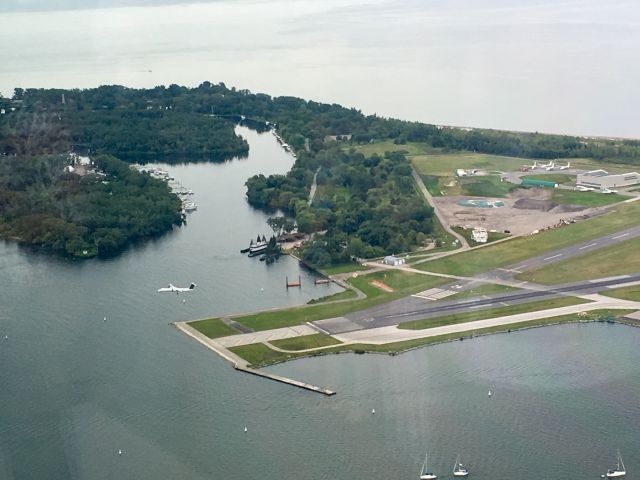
x=344, y=295
x=213, y=328
x=445, y=165
x=482, y=289
x=261, y=355
x=625, y=293
x=619, y=259
x=491, y=313
x=305, y=342
x=561, y=178
x=403, y=284
x=512, y=251
x=344, y=268
x=587, y=199
x=380, y=148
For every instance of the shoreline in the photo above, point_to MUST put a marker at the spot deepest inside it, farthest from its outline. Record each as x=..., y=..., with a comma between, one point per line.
x=238, y=363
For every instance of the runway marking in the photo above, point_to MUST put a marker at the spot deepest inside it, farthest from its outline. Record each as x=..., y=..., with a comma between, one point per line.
x=554, y=256
x=620, y=236
x=505, y=304
x=587, y=246
x=480, y=306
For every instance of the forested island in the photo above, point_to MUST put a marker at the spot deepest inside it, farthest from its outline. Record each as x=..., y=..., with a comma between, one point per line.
x=365, y=206
x=83, y=215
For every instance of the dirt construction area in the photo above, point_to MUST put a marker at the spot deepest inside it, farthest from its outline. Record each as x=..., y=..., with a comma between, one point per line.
x=524, y=211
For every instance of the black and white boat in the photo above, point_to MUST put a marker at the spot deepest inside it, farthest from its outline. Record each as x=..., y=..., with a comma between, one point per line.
x=259, y=246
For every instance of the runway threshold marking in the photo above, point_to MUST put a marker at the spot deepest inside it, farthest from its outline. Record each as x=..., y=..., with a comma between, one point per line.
x=587, y=246
x=554, y=256
x=620, y=236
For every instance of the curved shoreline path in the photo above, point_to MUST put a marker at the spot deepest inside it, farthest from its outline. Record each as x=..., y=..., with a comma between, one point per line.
x=314, y=186
x=463, y=241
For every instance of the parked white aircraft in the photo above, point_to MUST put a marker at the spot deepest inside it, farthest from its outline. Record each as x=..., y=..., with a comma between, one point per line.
x=608, y=190
x=172, y=288
x=550, y=166
x=565, y=167
x=580, y=188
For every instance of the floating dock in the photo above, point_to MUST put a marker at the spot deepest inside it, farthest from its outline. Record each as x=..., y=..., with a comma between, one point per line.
x=294, y=284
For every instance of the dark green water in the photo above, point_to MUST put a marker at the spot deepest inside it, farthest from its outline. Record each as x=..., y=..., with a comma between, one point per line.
x=74, y=389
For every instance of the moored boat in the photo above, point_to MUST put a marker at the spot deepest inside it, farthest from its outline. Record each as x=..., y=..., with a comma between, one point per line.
x=425, y=474
x=459, y=470
x=618, y=470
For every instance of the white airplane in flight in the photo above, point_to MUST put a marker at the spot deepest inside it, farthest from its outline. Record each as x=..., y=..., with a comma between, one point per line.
x=172, y=288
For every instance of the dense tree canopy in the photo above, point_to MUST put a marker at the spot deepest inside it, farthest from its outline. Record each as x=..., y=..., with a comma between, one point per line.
x=41, y=204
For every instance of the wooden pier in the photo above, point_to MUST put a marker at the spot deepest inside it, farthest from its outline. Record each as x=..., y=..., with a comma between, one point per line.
x=322, y=281
x=294, y=284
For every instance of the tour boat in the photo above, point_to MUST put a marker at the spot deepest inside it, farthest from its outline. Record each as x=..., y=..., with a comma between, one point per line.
x=259, y=246
x=459, y=470
x=425, y=474
x=619, y=470
x=190, y=207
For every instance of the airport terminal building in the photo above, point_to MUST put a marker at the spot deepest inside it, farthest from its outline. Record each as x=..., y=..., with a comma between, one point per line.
x=602, y=179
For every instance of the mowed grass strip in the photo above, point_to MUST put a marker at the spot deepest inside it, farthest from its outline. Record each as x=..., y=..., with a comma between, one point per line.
x=618, y=259
x=625, y=293
x=446, y=164
x=481, y=290
x=305, y=342
x=491, y=313
x=260, y=355
x=344, y=295
x=213, y=328
x=403, y=283
x=585, y=199
x=477, y=261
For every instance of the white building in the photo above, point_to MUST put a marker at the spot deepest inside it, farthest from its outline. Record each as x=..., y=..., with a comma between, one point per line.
x=393, y=261
x=601, y=179
x=479, y=235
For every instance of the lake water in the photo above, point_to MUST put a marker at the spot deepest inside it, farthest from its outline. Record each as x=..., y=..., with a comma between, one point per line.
x=565, y=66
x=75, y=389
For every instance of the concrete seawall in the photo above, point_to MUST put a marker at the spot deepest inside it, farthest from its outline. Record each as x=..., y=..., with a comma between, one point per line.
x=241, y=365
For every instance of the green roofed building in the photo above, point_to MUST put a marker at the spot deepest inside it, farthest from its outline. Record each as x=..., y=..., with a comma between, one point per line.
x=531, y=182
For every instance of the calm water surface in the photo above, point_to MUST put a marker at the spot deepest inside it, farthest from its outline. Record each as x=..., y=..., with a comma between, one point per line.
x=75, y=389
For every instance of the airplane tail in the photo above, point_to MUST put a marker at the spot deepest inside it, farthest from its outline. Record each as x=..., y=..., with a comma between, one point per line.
x=192, y=286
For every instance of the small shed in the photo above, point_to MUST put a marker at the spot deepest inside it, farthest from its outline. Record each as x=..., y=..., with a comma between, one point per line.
x=393, y=261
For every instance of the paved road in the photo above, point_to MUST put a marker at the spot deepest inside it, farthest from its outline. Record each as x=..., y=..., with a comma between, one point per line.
x=463, y=241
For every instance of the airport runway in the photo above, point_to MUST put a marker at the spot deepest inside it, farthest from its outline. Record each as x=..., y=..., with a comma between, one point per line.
x=414, y=308
x=418, y=307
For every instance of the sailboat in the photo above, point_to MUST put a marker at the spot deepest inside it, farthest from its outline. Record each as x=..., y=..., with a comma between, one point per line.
x=459, y=470
x=425, y=474
x=619, y=470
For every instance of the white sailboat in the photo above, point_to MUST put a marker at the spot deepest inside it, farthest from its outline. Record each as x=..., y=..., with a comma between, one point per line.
x=459, y=470
x=619, y=470
x=425, y=474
